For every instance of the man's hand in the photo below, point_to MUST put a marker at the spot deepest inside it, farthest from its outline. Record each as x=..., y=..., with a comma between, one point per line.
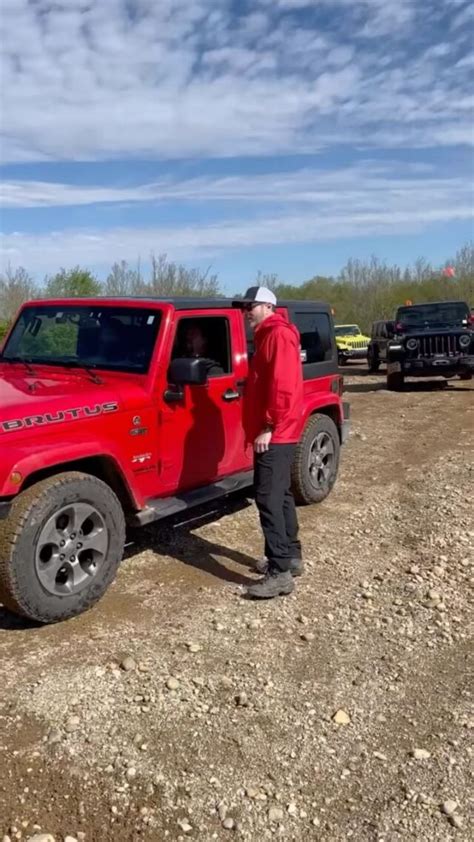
x=262, y=442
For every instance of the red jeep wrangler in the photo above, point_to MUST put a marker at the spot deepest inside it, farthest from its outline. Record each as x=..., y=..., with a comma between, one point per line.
x=107, y=420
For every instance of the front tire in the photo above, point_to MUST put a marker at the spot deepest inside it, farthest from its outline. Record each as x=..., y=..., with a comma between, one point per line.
x=316, y=460
x=395, y=381
x=60, y=547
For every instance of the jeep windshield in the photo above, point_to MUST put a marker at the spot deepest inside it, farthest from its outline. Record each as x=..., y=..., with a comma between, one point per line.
x=113, y=338
x=347, y=330
x=444, y=314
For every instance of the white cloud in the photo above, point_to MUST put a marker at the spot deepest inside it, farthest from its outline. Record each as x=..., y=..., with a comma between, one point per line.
x=368, y=184
x=465, y=18
x=287, y=207
x=46, y=252
x=382, y=17
x=96, y=80
x=179, y=78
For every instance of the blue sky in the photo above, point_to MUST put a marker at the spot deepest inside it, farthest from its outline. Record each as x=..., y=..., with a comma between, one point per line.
x=280, y=135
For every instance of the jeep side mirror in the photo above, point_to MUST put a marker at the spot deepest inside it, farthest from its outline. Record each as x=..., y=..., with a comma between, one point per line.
x=185, y=371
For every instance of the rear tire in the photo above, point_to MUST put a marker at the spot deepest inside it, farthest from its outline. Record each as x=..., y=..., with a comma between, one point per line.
x=60, y=547
x=316, y=460
x=466, y=375
x=373, y=361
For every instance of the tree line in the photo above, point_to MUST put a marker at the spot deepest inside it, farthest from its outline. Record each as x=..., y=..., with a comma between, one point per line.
x=362, y=292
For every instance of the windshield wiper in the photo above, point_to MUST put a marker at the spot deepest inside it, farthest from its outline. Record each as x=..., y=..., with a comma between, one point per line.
x=77, y=364
x=24, y=360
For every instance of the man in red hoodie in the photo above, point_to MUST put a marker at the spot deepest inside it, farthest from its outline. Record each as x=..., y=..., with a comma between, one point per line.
x=273, y=420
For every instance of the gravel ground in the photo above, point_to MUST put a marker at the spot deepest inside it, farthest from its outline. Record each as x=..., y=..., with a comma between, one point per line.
x=178, y=710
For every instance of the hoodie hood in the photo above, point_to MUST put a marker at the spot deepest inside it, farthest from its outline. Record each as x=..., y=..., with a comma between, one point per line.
x=277, y=322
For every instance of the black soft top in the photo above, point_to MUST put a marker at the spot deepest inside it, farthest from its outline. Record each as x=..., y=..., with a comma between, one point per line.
x=432, y=304
x=178, y=302
x=185, y=303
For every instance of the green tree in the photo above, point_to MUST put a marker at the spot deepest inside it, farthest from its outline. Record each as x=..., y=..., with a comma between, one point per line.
x=3, y=330
x=368, y=290
x=72, y=283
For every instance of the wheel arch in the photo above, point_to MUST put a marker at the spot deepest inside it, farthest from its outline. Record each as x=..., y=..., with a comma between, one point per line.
x=101, y=467
x=332, y=411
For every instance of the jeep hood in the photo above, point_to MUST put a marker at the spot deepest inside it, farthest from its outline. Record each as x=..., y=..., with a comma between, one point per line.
x=432, y=330
x=26, y=395
x=347, y=339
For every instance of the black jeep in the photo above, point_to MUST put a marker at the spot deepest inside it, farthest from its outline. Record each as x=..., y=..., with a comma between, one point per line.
x=428, y=340
x=379, y=340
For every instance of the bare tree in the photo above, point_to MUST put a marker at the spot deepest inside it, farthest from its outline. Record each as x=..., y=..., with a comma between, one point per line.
x=173, y=279
x=422, y=270
x=122, y=280
x=16, y=287
x=270, y=280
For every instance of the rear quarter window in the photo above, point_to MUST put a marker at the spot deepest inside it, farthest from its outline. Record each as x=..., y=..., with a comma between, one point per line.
x=318, y=344
x=316, y=336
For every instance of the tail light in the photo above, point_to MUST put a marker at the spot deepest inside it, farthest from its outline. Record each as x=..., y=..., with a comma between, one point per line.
x=337, y=385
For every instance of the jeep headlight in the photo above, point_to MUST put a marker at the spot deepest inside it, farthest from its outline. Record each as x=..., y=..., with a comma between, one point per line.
x=464, y=340
x=412, y=344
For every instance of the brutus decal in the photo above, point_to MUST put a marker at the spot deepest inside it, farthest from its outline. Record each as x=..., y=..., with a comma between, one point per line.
x=73, y=414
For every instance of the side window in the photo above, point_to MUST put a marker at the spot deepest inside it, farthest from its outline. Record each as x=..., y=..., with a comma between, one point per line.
x=207, y=337
x=316, y=340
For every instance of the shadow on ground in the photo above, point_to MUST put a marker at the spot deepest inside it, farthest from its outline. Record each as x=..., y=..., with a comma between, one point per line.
x=12, y=622
x=176, y=537
x=410, y=386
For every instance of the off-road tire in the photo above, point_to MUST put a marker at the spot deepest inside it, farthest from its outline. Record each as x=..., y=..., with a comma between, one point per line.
x=21, y=590
x=303, y=489
x=342, y=360
x=395, y=381
x=466, y=375
x=373, y=362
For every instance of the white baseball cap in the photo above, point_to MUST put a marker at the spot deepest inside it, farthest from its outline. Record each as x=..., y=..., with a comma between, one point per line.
x=257, y=295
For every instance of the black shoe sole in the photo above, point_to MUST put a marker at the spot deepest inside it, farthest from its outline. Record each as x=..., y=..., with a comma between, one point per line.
x=295, y=573
x=251, y=595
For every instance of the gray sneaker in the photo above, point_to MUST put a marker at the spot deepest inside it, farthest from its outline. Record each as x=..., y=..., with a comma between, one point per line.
x=296, y=566
x=275, y=583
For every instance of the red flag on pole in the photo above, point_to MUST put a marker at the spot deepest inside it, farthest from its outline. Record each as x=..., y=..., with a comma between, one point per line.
x=449, y=271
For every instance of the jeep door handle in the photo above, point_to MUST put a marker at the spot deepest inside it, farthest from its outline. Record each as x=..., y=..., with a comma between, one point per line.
x=231, y=395
x=173, y=396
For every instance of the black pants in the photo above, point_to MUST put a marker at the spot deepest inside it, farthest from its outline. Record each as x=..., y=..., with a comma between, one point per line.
x=276, y=504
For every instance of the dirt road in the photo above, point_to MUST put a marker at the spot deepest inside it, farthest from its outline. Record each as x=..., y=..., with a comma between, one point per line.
x=176, y=709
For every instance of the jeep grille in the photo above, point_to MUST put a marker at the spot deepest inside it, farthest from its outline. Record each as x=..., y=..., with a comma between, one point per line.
x=445, y=344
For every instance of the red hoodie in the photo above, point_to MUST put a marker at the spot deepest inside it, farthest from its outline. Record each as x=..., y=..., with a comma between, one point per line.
x=274, y=391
